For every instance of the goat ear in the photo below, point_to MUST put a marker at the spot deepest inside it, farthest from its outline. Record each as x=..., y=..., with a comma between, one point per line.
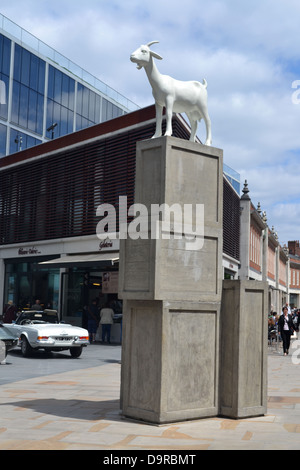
x=157, y=56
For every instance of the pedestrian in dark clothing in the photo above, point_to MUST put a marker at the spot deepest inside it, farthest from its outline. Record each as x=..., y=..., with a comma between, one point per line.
x=286, y=329
x=93, y=320
x=9, y=312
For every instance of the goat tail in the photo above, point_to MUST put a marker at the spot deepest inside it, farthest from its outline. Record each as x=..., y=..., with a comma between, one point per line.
x=204, y=83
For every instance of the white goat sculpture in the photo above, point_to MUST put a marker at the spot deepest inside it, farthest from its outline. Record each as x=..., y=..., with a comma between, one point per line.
x=177, y=96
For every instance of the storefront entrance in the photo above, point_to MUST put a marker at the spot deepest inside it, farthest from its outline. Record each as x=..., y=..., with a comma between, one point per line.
x=68, y=290
x=80, y=286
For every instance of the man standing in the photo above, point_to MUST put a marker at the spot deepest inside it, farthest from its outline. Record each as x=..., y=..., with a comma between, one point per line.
x=106, y=320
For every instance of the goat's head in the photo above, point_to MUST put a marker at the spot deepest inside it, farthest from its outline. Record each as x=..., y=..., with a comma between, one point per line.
x=142, y=56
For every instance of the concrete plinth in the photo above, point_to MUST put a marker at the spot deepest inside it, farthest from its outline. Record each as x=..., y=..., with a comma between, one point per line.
x=170, y=360
x=176, y=172
x=171, y=288
x=243, y=361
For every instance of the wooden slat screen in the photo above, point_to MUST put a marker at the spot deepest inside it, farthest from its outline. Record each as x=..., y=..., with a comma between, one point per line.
x=57, y=196
x=231, y=221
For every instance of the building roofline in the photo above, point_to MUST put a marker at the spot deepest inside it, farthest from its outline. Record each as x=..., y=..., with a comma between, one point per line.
x=80, y=137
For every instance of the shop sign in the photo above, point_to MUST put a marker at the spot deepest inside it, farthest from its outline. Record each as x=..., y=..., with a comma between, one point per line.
x=110, y=282
x=107, y=243
x=29, y=251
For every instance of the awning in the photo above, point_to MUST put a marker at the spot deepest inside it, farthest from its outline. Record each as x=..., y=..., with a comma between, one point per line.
x=89, y=260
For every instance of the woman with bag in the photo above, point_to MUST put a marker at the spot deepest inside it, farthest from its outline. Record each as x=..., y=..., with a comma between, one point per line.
x=286, y=329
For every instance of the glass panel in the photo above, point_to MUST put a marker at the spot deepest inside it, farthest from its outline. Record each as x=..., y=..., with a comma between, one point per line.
x=25, y=67
x=73, y=297
x=71, y=93
x=79, y=98
x=49, y=121
x=109, y=114
x=97, y=108
x=32, y=110
x=15, y=102
x=17, y=63
x=4, y=83
x=70, y=121
x=51, y=83
x=14, y=141
x=10, y=288
x=41, y=83
x=78, y=122
x=104, y=110
x=64, y=121
x=30, y=40
x=92, y=99
x=24, y=296
x=34, y=72
x=56, y=117
x=40, y=114
x=24, y=96
x=57, y=86
x=5, y=47
x=2, y=140
x=85, y=102
x=65, y=90
x=26, y=282
x=21, y=141
x=30, y=141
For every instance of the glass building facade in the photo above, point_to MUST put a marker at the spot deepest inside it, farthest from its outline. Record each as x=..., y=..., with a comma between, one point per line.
x=43, y=95
x=233, y=177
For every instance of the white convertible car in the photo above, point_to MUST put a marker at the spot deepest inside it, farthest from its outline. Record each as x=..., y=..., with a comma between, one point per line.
x=42, y=330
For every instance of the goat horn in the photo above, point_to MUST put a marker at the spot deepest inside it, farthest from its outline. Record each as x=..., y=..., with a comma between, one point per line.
x=152, y=42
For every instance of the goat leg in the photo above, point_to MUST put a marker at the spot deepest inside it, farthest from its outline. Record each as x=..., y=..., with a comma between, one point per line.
x=208, y=129
x=159, y=110
x=169, y=113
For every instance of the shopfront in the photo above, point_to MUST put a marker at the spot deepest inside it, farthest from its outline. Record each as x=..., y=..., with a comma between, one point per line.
x=60, y=278
x=26, y=280
x=82, y=281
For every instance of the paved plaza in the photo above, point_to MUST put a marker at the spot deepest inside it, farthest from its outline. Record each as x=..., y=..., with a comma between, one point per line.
x=79, y=410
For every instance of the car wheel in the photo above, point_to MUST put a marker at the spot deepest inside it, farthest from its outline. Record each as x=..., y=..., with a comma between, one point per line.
x=76, y=352
x=26, y=349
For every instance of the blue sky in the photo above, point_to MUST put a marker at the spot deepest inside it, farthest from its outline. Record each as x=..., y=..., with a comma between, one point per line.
x=247, y=51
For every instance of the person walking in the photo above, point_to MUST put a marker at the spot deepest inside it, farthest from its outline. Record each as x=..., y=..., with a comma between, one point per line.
x=93, y=320
x=9, y=312
x=106, y=320
x=285, y=328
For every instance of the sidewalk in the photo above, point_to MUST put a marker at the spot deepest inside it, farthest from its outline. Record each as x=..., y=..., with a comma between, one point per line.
x=79, y=410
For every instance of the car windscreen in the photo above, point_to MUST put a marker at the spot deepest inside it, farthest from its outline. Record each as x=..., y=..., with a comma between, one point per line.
x=47, y=317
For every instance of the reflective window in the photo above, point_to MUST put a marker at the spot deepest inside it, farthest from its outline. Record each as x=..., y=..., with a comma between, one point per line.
x=28, y=90
x=25, y=282
x=2, y=140
x=109, y=110
x=21, y=141
x=60, y=103
x=5, y=48
x=88, y=107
